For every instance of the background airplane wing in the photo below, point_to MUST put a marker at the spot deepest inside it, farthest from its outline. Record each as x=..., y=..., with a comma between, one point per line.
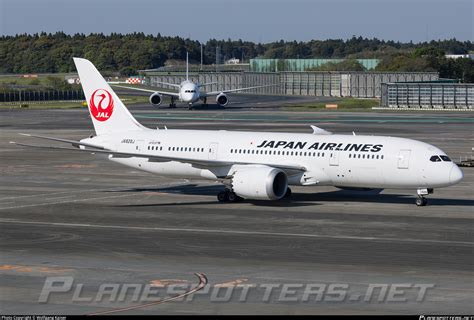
x=198, y=163
x=165, y=93
x=215, y=93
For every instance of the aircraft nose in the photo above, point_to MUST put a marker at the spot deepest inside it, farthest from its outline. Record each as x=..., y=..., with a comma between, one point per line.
x=455, y=175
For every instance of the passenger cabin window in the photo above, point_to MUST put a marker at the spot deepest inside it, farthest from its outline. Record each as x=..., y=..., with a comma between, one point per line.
x=435, y=159
x=445, y=158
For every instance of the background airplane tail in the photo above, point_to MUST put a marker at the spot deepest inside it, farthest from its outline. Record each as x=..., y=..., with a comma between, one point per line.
x=187, y=66
x=108, y=113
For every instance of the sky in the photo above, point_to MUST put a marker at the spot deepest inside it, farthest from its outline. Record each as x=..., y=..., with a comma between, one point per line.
x=253, y=20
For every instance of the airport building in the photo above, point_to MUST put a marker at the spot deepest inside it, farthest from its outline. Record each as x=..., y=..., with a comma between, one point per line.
x=431, y=95
x=395, y=89
x=277, y=65
x=311, y=83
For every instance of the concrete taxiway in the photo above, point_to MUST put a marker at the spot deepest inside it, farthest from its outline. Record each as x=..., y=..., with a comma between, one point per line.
x=70, y=214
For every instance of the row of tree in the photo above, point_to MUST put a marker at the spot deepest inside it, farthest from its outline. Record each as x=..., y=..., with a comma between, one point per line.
x=127, y=53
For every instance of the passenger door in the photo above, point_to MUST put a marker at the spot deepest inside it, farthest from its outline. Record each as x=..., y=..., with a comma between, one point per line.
x=404, y=159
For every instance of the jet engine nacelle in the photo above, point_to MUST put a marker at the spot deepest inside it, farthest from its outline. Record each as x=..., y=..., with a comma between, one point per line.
x=260, y=183
x=222, y=100
x=156, y=99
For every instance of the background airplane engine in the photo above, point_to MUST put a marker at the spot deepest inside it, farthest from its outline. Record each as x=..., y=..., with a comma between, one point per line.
x=260, y=183
x=222, y=100
x=156, y=99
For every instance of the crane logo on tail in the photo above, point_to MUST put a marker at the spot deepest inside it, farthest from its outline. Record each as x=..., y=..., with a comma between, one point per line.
x=101, y=105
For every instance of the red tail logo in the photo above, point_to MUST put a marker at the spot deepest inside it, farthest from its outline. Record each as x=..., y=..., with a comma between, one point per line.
x=101, y=105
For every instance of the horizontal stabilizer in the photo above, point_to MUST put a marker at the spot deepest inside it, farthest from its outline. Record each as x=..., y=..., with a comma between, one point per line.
x=74, y=143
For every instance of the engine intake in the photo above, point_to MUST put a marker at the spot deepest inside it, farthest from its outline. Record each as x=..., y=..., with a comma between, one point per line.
x=222, y=100
x=260, y=183
x=156, y=99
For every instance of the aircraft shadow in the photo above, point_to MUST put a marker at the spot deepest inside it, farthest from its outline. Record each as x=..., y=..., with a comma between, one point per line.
x=189, y=189
x=371, y=197
x=298, y=199
x=194, y=189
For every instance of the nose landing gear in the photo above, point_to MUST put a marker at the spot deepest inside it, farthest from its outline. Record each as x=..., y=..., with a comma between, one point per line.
x=421, y=201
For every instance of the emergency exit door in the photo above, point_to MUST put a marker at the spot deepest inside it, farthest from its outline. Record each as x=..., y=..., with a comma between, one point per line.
x=334, y=158
x=212, y=155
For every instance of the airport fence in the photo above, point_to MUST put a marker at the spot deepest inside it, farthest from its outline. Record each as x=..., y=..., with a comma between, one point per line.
x=328, y=84
x=428, y=95
x=38, y=96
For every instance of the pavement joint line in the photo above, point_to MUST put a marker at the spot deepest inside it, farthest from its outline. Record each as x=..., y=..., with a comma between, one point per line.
x=118, y=189
x=66, y=201
x=235, y=232
x=45, y=199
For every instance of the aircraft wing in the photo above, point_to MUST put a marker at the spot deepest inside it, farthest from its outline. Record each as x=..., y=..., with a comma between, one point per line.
x=165, y=93
x=206, y=84
x=320, y=131
x=199, y=163
x=215, y=93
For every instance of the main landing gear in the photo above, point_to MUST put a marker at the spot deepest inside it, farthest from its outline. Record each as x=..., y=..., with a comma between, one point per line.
x=172, y=104
x=421, y=201
x=228, y=196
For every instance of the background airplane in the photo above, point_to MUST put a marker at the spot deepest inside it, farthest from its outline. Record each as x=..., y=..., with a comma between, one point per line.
x=188, y=92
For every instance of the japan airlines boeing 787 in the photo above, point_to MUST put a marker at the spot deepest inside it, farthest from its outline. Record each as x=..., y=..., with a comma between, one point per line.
x=258, y=165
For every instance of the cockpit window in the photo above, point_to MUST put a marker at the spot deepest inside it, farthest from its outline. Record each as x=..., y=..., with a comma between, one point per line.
x=445, y=158
x=435, y=159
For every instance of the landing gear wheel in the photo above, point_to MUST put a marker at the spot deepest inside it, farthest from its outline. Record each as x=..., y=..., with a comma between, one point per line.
x=287, y=194
x=421, y=201
x=223, y=196
x=233, y=197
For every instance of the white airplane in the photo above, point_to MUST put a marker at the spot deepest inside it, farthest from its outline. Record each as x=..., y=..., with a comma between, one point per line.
x=188, y=92
x=258, y=165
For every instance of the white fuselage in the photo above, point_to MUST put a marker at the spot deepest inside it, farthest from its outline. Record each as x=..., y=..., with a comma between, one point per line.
x=336, y=160
x=189, y=92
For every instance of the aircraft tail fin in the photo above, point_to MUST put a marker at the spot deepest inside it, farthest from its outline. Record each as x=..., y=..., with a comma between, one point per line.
x=187, y=66
x=108, y=113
